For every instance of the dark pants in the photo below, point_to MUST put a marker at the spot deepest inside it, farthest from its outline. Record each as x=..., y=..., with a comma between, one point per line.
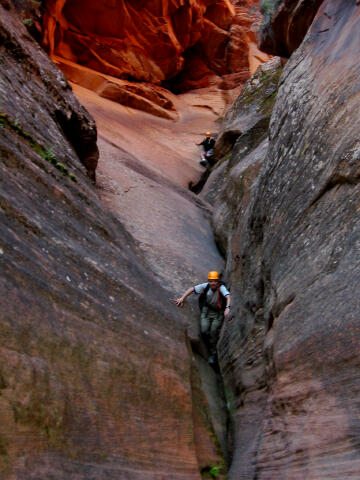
x=210, y=324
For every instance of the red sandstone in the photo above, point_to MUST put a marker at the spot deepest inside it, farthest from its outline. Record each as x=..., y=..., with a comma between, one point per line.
x=188, y=43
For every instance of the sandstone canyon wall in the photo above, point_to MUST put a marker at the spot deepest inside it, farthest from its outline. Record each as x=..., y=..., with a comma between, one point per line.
x=100, y=376
x=96, y=377
x=180, y=43
x=289, y=354
x=284, y=25
x=126, y=51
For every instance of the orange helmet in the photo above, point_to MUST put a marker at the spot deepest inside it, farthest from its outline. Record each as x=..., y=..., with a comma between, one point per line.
x=213, y=275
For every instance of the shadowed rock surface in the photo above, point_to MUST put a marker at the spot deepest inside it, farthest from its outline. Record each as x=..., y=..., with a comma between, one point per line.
x=285, y=24
x=243, y=129
x=96, y=378
x=100, y=375
x=289, y=354
x=246, y=121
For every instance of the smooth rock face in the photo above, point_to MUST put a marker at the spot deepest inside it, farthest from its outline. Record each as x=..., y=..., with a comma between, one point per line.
x=285, y=23
x=143, y=174
x=155, y=41
x=290, y=353
x=96, y=378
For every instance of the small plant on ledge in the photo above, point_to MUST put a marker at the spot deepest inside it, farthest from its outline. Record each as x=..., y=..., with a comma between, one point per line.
x=212, y=472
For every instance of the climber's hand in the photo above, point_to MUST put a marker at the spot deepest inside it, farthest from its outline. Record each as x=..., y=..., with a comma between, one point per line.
x=179, y=302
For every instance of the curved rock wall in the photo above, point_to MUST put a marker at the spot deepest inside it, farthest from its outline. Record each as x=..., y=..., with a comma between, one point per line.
x=289, y=354
x=155, y=41
x=285, y=23
x=96, y=380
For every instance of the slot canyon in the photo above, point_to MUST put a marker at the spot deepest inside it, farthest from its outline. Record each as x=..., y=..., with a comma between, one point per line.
x=108, y=217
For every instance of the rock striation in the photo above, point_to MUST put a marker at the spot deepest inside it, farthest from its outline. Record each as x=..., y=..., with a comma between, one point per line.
x=289, y=354
x=141, y=96
x=61, y=113
x=102, y=378
x=111, y=47
x=249, y=115
x=96, y=377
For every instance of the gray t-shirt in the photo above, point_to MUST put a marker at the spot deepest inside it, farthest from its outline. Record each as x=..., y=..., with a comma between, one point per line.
x=211, y=296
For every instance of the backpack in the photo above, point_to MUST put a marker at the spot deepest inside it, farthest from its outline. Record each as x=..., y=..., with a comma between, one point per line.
x=202, y=297
x=208, y=143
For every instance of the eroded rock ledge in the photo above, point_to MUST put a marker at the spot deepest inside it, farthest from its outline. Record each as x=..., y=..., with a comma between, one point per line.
x=127, y=51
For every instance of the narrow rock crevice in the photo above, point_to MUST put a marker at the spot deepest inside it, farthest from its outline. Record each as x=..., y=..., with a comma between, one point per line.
x=84, y=143
x=209, y=408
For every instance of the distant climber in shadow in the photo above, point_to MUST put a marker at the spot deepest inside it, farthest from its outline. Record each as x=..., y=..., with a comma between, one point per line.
x=208, y=160
x=207, y=156
x=214, y=303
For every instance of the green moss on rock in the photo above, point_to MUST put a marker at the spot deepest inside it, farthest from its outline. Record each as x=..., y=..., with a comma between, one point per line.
x=260, y=92
x=45, y=153
x=268, y=7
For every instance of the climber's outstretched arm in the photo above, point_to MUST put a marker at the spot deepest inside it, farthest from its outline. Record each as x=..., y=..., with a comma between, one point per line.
x=180, y=301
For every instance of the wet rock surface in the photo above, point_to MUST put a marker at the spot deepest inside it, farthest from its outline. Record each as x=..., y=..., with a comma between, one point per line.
x=289, y=354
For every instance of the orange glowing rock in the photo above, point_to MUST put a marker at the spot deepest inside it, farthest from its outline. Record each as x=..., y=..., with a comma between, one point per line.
x=179, y=43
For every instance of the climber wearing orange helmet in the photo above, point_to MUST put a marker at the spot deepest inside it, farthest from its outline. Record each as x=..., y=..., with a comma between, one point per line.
x=214, y=303
x=208, y=142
